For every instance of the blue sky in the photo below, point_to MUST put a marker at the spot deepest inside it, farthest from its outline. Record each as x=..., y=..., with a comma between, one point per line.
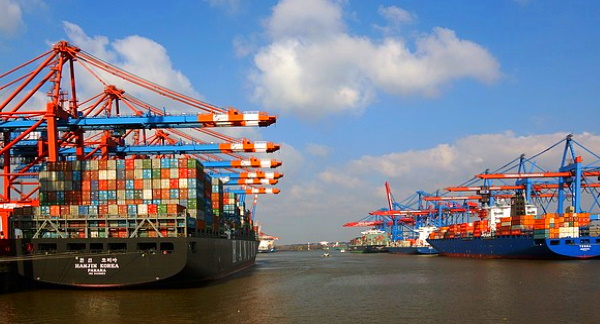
x=423, y=94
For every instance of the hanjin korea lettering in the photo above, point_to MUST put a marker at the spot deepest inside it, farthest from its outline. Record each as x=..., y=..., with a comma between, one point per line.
x=96, y=268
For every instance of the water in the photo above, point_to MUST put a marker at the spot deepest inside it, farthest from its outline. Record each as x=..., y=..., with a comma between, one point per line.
x=304, y=287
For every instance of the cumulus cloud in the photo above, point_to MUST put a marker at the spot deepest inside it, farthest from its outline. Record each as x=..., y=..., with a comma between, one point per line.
x=138, y=55
x=12, y=17
x=313, y=66
x=396, y=15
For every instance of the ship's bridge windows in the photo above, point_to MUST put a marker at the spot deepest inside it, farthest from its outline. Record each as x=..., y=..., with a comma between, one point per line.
x=570, y=242
x=75, y=247
x=47, y=247
x=96, y=247
x=166, y=247
x=584, y=241
x=555, y=242
x=597, y=241
x=193, y=247
x=147, y=247
x=117, y=247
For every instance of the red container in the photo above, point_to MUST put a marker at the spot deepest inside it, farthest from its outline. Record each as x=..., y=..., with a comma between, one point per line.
x=102, y=184
x=54, y=210
x=174, y=184
x=65, y=209
x=138, y=184
x=152, y=209
x=130, y=164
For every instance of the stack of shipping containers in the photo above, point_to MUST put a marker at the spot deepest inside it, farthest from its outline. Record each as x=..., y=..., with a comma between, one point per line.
x=125, y=198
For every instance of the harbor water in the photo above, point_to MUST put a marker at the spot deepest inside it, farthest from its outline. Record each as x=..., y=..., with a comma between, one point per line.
x=305, y=287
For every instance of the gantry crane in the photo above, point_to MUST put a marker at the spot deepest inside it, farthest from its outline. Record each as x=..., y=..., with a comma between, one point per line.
x=568, y=183
x=110, y=124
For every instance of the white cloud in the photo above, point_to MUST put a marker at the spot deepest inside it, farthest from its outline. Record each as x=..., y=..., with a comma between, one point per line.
x=305, y=20
x=12, y=17
x=313, y=66
x=396, y=15
x=138, y=55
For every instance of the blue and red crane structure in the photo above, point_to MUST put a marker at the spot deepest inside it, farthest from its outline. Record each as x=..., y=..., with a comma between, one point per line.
x=544, y=188
x=537, y=185
x=110, y=124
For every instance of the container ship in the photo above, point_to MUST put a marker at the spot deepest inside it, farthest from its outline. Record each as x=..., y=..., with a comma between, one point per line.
x=521, y=235
x=89, y=232
x=371, y=241
x=415, y=246
x=266, y=243
x=103, y=189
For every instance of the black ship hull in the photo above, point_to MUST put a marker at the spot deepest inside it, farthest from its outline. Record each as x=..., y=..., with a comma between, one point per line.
x=130, y=262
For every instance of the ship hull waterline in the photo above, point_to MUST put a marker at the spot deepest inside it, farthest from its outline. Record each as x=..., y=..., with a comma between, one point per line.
x=132, y=262
x=519, y=247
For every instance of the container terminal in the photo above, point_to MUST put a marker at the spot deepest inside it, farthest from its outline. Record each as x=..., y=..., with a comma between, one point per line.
x=527, y=213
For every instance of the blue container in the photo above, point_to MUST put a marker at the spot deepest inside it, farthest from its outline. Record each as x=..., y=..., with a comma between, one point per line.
x=132, y=209
x=192, y=183
x=129, y=185
x=45, y=210
x=120, y=164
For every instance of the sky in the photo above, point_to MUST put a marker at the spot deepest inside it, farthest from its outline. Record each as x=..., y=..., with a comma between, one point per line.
x=421, y=94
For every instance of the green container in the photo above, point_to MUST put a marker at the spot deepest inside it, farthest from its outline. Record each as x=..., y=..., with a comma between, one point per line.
x=162, y=209
x=147, y=164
